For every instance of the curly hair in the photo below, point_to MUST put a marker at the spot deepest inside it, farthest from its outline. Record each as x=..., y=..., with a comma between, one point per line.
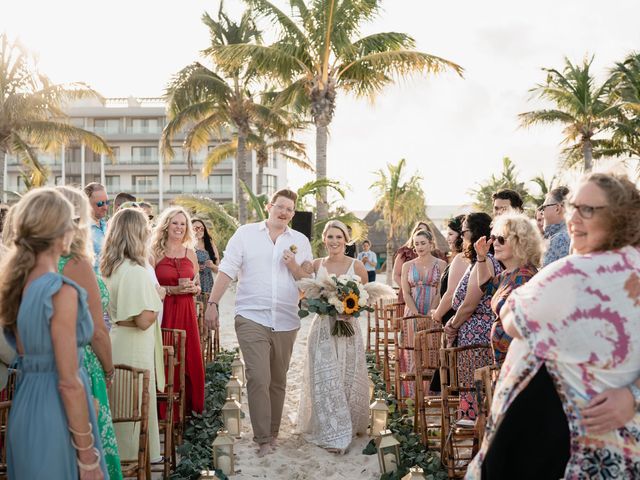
x=126, y=238
x=40, y=218
x=622, y=215
x=81, y=246
x=161, y=232
x=455, y=224
x=479, y=224
x=523, y=236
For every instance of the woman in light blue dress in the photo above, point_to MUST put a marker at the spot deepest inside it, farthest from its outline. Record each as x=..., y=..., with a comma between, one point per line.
x=53, y=431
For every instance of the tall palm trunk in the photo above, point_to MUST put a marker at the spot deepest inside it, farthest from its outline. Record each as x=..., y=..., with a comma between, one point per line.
x=2, y=160
x=262, y=157
x=241, y=162
x=321, y=169
x=587, y=151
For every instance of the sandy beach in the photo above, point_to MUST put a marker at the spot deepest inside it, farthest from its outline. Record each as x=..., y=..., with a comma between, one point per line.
x=293, y=458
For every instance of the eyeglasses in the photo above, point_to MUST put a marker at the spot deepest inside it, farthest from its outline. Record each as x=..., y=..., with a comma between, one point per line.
x=585, y=211
x=102, y=203
x=542, y=207
x=198, y=229
x=498, y=239
x=282, y=208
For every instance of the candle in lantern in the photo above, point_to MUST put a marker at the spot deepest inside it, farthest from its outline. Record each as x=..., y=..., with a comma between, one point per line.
x=390, y=462
x=224, y=464
x=232, y=426
x=379, y=425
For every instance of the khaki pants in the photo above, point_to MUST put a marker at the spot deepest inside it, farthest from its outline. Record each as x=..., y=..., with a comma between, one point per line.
x=266, y=355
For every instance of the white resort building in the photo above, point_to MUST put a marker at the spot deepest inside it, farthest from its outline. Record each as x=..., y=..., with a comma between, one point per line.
x=132, y=127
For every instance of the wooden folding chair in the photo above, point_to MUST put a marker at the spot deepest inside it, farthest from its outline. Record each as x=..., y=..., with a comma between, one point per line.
x=6, y=397
x=390, y=329
x=484, y=379
x=165, y=425
x=428, y=413
x=209, y=338
x=460, y=443
x=404, y=332
x=178, y=340
x=129, y=402
x=377, y=329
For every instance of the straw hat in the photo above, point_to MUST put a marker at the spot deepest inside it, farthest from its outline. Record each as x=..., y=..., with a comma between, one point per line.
x=7, y=356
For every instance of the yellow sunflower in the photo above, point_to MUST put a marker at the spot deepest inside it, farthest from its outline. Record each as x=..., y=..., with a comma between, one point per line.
x=350, y=303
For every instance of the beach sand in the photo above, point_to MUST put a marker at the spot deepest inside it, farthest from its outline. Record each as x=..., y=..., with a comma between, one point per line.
x=293, y=458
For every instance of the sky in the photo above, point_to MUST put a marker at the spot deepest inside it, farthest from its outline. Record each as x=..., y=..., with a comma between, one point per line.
x=453, y=131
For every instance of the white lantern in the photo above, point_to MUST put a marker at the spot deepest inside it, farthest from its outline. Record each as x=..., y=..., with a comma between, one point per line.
x=379, y=414
x=388, y=452
x=234, y=388
x=231, y=417
x=223, y=453
x=237, y=369
x=208, y=475
x=415, y=473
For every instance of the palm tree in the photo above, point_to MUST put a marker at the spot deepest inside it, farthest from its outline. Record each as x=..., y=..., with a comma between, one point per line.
x=31, y=115
x=210, y=103
x=584, y=108
x=400, y=202
x=508, y=178
x=271, y=135
x=320, y=51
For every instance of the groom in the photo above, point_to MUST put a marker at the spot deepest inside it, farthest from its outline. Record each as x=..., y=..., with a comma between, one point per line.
x=267, y=258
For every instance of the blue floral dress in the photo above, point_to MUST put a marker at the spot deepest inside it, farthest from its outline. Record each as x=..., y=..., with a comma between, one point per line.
x=475, y=331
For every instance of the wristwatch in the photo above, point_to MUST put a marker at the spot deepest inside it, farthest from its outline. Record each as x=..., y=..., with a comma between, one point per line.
x=635, y=391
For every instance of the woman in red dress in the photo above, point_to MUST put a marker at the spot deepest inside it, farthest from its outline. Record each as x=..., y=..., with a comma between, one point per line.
x=176, y=267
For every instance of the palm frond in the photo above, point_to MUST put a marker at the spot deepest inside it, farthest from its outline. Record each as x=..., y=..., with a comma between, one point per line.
x=224, y=225
x=218, y=154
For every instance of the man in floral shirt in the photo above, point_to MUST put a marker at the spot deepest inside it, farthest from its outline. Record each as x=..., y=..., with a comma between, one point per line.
x=555, y=227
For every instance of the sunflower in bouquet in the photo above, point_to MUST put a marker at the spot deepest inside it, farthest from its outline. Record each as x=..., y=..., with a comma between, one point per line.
x=341, y=297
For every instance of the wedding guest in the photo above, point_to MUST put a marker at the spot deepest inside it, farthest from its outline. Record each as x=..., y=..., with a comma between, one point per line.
x=176, y=268
x=267, y=258
x=369, y=259
x=518, y=247
x=207, y=254
x=471, y=324
x=540, y=220
x=575, y=336
x=555, y=227
x=54, y=431
x=99, y=207
x=133, y=307
x=148, y=210
x=506, y=200
x=420, y=287
x=78, y=266
x=404, y=254
x=121, y=198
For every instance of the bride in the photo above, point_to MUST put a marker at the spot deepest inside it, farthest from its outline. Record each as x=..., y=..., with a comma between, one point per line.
x=334, y=402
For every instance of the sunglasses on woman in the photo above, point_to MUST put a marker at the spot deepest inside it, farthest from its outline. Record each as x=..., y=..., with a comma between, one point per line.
x=498, y=239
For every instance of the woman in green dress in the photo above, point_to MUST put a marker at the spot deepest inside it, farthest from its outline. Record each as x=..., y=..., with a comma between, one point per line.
x=97, y=358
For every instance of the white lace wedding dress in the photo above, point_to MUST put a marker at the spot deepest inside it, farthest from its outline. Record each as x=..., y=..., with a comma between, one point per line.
x=334, y=402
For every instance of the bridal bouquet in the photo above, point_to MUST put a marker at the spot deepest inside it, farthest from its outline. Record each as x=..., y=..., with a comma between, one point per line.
x=340, y=297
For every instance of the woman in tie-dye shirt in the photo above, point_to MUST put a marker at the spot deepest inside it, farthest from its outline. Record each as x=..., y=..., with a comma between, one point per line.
x=576, y=329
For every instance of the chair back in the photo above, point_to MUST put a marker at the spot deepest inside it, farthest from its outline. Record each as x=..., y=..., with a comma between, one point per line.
x=177, y=339
x=165, y=424
x=6, y=397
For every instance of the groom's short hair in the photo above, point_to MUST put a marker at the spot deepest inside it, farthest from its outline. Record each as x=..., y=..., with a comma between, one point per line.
x=286, y=193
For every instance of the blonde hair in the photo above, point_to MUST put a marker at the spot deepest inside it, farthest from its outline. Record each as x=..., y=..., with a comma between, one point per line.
x=523, y=235
x=340, y=226
x=126, y=238
x=81, y=246
x=7, y=228
x=40, y=218
x=161, y=232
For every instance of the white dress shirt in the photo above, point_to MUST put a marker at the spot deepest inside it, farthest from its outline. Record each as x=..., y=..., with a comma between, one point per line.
x=267, y=293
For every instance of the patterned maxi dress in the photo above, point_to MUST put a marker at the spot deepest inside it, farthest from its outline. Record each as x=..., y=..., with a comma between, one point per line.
x=425, y=294
x=99, y=390
x=475, y=331
x=334, y=402
x=39, y=441
x=578, y=318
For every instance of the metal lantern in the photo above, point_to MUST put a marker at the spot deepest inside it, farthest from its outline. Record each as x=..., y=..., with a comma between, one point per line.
x=388, y=452
x=234, y=388
x=415, y=473
x=208, y=475
x=223, y=453
x=231, y=417
x=379, y=413
x=237, y=369
x=372, y=389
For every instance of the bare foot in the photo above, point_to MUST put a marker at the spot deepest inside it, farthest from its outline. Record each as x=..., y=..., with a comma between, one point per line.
x=274, y=442
x=265, y=449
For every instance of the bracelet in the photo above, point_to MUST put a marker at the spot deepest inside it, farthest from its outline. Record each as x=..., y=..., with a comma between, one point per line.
x=110, y=374
x=75, y=432
x=211, y=302
x=481, y=261
x=83, y=449
x=87, y=467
